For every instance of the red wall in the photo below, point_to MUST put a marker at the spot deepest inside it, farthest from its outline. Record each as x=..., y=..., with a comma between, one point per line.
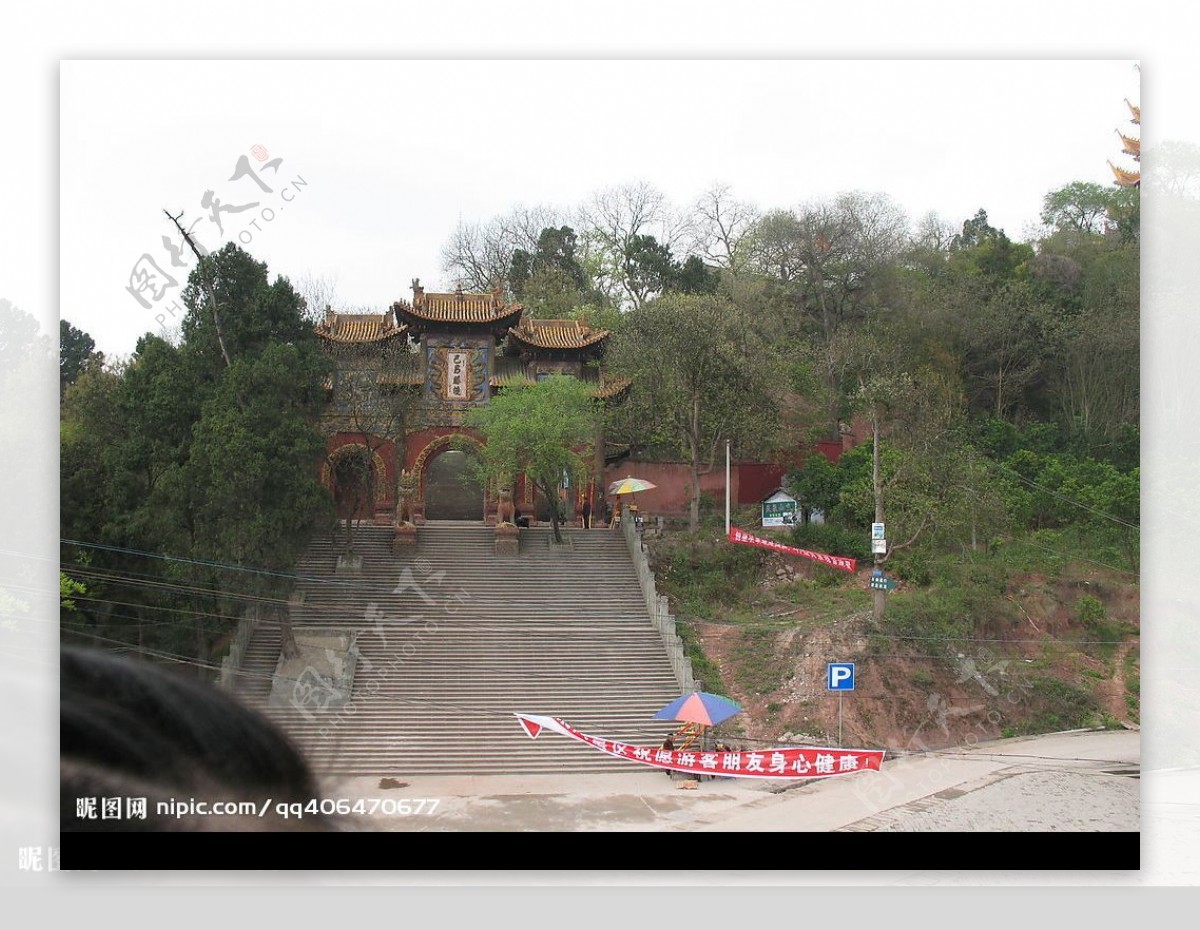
x=759, y=481
x=749, y=483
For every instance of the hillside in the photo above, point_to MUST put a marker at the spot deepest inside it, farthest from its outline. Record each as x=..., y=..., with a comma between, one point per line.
x=1019, y=640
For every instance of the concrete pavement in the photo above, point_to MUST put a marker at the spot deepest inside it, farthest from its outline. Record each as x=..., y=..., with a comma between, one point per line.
x=1082, y=781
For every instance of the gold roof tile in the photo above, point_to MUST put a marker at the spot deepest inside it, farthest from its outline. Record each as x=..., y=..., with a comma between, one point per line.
x=457, y=307
x=557, y=334
x=358, y=328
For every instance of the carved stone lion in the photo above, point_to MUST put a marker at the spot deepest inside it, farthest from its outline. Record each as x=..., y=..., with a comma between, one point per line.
x=505, y=510
x=407, y=497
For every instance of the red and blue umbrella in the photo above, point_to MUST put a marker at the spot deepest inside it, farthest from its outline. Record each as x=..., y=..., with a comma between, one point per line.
x=700, y=707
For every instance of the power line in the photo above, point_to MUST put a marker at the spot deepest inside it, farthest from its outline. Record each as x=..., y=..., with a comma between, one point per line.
x=292, y=576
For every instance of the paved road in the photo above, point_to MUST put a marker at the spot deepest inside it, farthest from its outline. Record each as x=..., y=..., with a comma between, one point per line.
x=1078, y=781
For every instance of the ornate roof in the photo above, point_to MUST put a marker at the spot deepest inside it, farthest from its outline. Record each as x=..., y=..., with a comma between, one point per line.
x=1132, y=146
x=458, y=308
x=358, y=328
x=1126, y=178
x=511, y=370
x=557, y=334
x=612, y=386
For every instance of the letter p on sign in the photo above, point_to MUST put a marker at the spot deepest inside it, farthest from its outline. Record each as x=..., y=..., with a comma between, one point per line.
x=840, y=676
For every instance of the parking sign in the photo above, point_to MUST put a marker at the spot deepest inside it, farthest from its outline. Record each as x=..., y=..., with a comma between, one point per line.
x=840, y=676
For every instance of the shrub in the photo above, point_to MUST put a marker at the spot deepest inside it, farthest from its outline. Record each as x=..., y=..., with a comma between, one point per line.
x=834, y=540
x=1090, y=610
x=912, y=567
x=921, y=678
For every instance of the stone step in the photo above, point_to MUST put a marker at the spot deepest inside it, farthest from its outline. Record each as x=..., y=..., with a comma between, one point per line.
x=454, y=639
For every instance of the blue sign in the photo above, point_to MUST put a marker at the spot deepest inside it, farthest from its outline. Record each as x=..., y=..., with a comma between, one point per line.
x=840, y=676
x=880, y=582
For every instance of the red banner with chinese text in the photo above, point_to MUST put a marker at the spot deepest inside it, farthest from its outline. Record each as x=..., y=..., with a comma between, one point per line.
x=834, y=561
x=791, y=762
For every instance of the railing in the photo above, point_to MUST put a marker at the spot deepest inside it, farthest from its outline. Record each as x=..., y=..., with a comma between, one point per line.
x=657, y=606
x=231, y=665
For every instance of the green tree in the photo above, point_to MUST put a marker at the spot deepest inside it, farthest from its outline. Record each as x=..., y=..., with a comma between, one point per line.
x=254, y=310
x=984, y=252
x=699, y=378
x=255, y=456
x=1086, y=207
x=76, y=351
x=207, y=465
x=68, y=590
x=544, y=429
x=817, y=485
x=555, y=251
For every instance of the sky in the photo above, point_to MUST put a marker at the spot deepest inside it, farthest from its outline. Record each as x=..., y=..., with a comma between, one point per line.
x=401, y=122
x=365, y=168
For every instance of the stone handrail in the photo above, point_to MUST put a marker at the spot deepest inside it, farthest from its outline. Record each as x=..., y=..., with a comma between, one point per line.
x=232, y=663
x=657, y=606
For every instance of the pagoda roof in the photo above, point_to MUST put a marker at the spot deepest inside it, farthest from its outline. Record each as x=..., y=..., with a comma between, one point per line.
x=510, y=371
x=1126, y=178
x=612, y=386
x=557, y=334
x=457, y=308
x=358, y=328
x=1136, y=111
x=1132, y=146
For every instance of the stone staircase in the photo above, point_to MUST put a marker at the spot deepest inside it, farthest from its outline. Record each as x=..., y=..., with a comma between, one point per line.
x=455, y=639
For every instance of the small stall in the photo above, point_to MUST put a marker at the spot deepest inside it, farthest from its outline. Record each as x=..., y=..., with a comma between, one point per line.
x=780, y=509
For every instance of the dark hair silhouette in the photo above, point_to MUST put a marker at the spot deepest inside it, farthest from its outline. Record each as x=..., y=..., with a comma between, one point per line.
x=129, y=728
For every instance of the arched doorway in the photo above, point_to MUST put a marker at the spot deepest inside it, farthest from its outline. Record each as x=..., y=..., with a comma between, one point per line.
x=452, y=491
x=357, y=478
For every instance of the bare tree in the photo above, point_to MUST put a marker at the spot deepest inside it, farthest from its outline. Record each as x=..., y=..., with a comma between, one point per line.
x=934, y=233
x=836, y=256
x=319, y=294
x=718, y=227
x=611, y=223
x=479, y=255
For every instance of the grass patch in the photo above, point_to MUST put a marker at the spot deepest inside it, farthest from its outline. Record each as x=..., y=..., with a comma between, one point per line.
x=701, y=573
x=1054, y=705
x=703, y=668
x=760, y=670
x=927, y=618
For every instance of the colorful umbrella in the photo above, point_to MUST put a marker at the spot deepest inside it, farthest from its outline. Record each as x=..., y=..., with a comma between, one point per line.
x=630, y=486
x=700, y=707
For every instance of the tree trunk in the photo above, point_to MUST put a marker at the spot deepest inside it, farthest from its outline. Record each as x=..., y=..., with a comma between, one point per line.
x=694, y=443
x=552, y=500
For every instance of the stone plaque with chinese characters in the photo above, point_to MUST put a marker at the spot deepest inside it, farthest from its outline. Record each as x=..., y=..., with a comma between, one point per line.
x=456, y=378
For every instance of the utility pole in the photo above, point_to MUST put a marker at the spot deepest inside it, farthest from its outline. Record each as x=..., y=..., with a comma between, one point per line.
x=726, y=487
x=877, y=481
